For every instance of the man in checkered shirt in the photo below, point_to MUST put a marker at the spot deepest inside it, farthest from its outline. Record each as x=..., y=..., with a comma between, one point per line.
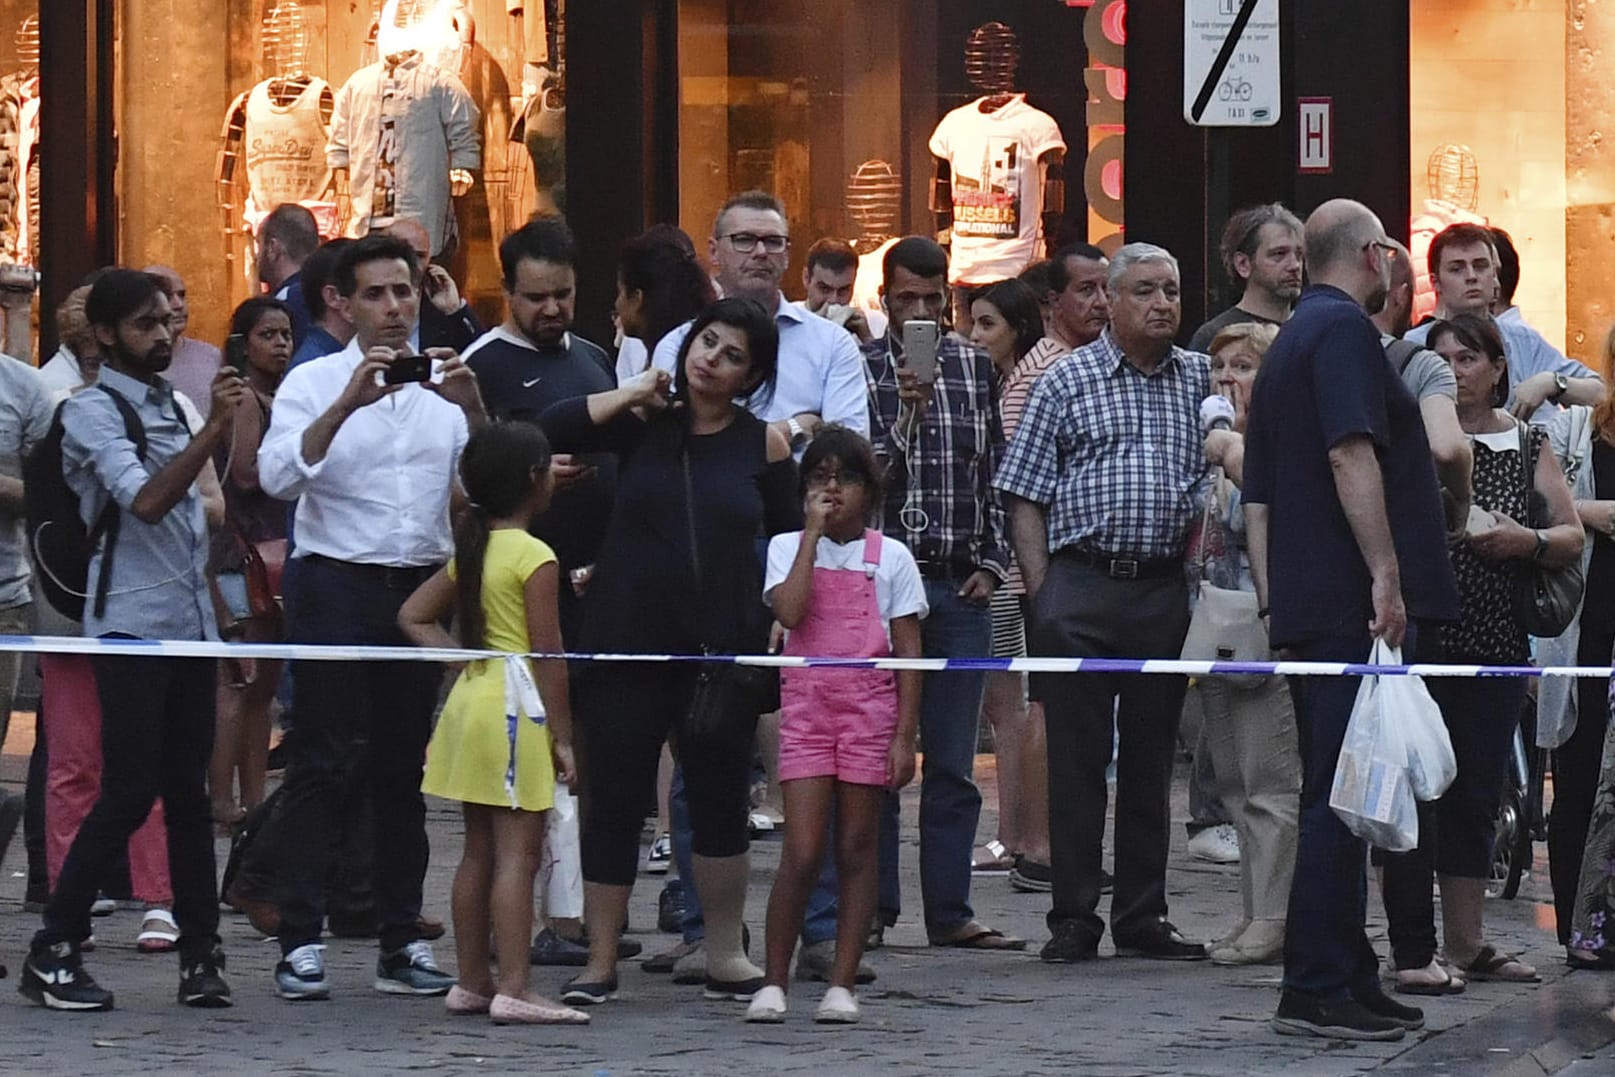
x=1101, y=485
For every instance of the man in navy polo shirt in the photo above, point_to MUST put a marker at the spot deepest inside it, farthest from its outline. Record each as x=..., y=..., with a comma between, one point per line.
x=1347, y=543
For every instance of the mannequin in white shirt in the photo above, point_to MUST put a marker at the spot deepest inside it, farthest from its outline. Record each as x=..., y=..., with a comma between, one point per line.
x=992, y=59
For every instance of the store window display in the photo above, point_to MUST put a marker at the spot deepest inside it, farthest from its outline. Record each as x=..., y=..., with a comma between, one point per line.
x=998, y=177
x=409, y=136
x=541, y=122
x=19, y=143
x=275, y=133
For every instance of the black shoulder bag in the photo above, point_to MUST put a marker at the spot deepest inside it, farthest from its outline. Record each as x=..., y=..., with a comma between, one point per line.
x=727, y=694
x=1546, y=598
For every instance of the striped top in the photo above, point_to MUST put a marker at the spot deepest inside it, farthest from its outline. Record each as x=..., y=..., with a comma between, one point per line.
x=1013, y=393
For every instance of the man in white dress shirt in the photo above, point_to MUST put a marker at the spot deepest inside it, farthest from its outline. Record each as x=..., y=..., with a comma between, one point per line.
x=821, y=373
x=374, y=468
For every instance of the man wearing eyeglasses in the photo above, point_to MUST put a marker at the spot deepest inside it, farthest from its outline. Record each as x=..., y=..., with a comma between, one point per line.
x=1347, y=544
x=821, y=374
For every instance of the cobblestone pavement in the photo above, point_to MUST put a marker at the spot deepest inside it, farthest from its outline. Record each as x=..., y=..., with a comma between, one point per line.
x=931, y=1011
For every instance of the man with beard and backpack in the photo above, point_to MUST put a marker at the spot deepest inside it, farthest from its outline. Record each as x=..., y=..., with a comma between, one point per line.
x=129, y=456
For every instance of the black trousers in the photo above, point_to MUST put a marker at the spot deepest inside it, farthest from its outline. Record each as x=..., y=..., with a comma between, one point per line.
x=1575, y=777
x=157, y=718
x=359, y=725
x=1081, y=612
x=625, y=713
x=1456, y=830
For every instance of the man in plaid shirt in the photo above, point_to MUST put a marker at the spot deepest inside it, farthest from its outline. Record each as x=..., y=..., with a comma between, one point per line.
x=1101, y=483
x=941, y=443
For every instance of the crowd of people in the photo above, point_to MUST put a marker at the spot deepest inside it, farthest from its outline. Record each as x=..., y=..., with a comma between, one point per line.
x=1042, y=471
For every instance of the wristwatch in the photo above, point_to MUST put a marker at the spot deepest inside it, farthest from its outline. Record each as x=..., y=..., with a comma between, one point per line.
x=1541, y=544
x=1560, y=385
x=798, y=435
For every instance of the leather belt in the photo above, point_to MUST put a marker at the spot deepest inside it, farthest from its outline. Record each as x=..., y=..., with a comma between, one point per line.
x=391, y=577
x=1125, y=568
x=943, y=570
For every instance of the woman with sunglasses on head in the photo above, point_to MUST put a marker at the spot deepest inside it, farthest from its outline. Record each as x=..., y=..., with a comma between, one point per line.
x=700, y=479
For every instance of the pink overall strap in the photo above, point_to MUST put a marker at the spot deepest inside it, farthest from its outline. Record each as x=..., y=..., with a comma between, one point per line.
x=872, y=541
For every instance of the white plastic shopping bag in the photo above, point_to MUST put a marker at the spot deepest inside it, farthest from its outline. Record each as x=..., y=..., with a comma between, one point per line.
x=1406, y=701
x=1373, y=789
x=561, y=867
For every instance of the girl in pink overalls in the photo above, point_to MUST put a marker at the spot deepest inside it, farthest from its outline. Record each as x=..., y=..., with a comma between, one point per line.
x=846, y=735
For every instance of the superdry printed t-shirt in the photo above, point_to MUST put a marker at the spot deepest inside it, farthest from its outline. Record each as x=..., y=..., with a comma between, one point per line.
x=997, y=186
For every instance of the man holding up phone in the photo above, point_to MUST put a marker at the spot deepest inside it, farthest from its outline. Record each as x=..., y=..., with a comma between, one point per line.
x=368, y=439
x=934, y=419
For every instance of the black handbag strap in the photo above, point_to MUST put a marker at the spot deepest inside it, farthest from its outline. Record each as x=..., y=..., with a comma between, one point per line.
x=1528, y=469
x=689, y=516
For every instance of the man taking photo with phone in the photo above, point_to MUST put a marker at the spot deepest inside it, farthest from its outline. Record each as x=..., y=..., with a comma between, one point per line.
x=934, y=420
x=368, y=439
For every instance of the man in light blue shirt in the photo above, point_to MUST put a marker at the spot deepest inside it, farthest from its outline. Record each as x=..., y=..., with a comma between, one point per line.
x=127, y=444
x=821, y=374
x=1463, y=269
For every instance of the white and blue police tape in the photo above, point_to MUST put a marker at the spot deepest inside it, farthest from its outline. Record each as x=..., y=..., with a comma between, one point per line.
x=358, y=653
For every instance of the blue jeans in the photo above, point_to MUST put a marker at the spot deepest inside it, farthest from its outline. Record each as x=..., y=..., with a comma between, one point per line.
x=1327, y=954
x=950, y=803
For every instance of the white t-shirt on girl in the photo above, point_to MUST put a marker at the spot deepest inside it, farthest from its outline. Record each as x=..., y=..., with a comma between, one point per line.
x=899, y=590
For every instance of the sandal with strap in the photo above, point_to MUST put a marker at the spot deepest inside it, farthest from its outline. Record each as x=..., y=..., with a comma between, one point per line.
x=991, y=858
x=974, y=936
x=158, y=932
x=1489, y=966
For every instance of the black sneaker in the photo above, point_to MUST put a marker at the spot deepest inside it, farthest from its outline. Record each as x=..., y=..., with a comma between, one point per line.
x=1069, y=944
x=54, y=977
x=201, y=982
x=1030, y=877
x=670, y=910
x=550, y=949
x=589, y=992
x=411, y=971
x=1380, y=1004
x=1343, y=1019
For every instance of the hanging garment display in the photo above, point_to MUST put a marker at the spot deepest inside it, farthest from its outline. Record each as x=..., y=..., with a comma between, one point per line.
x=995, y=155
x=284, y=142
x=399, y=128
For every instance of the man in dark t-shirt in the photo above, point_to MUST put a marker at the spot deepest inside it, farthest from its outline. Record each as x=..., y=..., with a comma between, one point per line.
x=1263, y=255
x=534, y=360
x=1347, y=543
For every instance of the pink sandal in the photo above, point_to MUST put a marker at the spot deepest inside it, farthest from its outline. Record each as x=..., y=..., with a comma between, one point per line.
x=461, y=1002
x=508, y=1010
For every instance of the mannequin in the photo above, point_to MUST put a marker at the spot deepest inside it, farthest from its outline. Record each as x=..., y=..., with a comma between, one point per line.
x=442, y=31
x=406, y=131
x=541, y=125
x=998, y=177
x=19, y=158
x=278, y=130
x=874, y=202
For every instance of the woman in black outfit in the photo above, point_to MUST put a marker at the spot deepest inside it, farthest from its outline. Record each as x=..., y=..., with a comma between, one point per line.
x=704, y=464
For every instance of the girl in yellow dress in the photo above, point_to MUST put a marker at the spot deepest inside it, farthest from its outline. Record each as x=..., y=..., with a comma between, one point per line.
x=493, y=750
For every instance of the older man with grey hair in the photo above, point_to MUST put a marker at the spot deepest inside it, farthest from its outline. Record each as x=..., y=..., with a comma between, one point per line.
x=1100, y=484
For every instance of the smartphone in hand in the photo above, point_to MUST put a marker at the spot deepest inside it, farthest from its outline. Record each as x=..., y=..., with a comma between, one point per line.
x=408, y=368
x=919, y=349
x=235, y=352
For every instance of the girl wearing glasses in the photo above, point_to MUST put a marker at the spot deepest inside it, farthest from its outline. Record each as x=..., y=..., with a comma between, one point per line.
x=846, y=736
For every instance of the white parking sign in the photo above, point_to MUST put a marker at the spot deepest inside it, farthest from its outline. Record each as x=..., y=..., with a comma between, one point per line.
x=1231, y=63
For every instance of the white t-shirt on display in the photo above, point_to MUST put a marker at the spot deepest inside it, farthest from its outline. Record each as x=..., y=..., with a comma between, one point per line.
x=899, y=590
x=996, y=161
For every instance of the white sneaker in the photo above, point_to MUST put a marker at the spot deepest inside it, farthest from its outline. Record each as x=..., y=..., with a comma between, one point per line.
x=838, y=1008
x=767, y=1006
x=1216, y=844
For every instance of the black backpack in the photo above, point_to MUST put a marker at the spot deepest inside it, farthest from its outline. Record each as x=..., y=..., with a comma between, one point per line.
x=57, y=538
